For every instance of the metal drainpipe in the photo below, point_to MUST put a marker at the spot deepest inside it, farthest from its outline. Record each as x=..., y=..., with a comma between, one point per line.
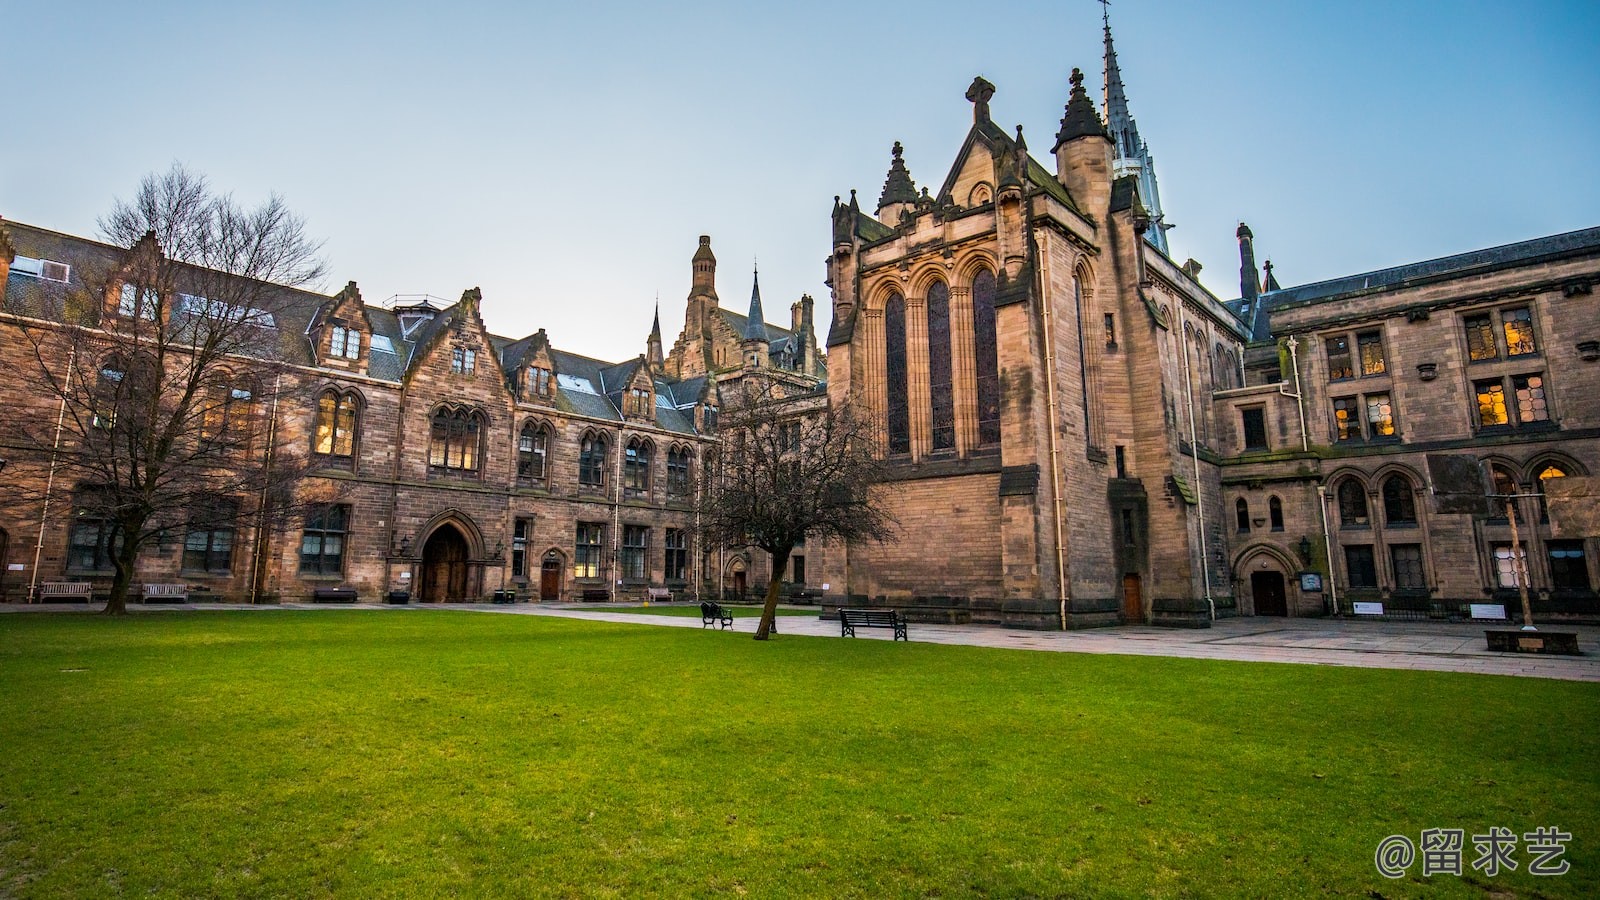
x=257, y=569
x=616, y=517
x=1041, y=279
x=1299, y=398
x=1194, y=454
x=50, y=482
x=1327, y=541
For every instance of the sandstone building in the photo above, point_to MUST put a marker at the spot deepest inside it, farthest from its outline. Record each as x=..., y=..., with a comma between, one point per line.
x=463, y=462
x=1079, y=433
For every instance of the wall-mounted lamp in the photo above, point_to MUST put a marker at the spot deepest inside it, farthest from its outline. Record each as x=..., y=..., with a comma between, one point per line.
x=1304, y=547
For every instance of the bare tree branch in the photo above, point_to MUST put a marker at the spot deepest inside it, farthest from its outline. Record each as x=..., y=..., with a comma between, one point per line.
x=791, y=468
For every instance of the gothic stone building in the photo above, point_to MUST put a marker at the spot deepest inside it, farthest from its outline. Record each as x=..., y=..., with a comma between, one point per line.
x=1033, y=359
x=463, y=462
x=1350, y=385
x=1080, y=433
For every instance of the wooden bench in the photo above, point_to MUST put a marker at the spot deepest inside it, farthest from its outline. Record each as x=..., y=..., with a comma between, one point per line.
x=715, y=614
x=657, y=594
x=62, y=591
x=333, y=595
x=596, y=595
x=851, y=619
x=164, y=593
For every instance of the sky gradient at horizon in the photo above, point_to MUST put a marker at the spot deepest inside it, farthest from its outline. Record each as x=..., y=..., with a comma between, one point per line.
x=566, y=157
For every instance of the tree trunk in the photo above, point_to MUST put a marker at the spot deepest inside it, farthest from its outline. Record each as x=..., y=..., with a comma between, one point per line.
x=780, y=559
x=125, y=560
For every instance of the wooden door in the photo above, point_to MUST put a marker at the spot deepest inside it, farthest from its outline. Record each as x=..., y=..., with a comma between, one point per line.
x=1268, y=590
x=444, y=567
x=550, y=578
x=1132, y=599
x=739, y=584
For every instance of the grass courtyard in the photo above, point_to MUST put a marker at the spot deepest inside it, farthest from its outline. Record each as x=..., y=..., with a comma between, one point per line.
x=442, y=753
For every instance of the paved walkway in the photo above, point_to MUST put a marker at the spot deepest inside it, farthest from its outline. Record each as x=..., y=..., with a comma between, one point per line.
x=1427, y=646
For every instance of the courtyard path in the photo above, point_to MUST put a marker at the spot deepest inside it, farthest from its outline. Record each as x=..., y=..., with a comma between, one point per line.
x=1423, y=646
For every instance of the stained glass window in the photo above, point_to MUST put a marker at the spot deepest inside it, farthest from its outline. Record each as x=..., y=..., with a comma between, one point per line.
x=894, y=359
x=987, y=357
x=939, y=378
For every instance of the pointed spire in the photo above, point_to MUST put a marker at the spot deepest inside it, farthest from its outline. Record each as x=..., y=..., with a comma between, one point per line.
x=653, y=351
x=1123, y=131
x=756, y=328
x=1130, y=156
x=1080, y=119
x=898, y=187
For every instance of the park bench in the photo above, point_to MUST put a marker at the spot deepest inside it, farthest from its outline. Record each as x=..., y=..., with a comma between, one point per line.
x=164, y=593
x=851, y=619
x=333, y=595
x=657, y=594
x=62, y=591
x=596, y=595
x=715, y=614
x=505, y=595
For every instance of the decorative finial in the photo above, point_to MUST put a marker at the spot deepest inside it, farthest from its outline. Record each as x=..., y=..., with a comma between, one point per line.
x=1076, y=79
x=978, y=95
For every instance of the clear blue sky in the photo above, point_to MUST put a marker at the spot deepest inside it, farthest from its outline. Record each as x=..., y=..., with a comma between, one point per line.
x=565, y=157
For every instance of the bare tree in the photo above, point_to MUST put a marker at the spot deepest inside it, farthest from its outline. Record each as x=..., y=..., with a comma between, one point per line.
x=163, y=366
x=791, y=469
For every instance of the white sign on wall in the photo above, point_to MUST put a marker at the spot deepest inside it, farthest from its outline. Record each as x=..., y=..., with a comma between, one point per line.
x=1368, y=609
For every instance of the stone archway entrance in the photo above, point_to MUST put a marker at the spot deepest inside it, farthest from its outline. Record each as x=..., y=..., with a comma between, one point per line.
x=444, y=566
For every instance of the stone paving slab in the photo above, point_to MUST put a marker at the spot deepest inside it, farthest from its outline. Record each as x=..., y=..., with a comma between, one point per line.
x=1420, y=646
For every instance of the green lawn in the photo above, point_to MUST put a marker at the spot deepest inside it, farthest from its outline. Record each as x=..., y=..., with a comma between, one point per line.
x=445, y=753
x=739, y=612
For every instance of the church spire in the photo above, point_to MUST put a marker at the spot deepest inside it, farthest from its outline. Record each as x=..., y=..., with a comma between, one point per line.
x=653, y=352
x=756, y=328
x=898, y=187
x=1131, y=156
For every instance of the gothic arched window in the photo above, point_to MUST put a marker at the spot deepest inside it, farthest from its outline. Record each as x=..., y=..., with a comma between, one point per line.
x=940, y=388
x=1399, y=503
x=987, y=358
x=533, y=451
x=677, y=473
x=636, y=467
x=1241, y=513
x=592, y=461
x=334, y=433
x=453, y=439
x=1275, y=513
x=1545, y=473
x=894, y=363
x=1352, y=496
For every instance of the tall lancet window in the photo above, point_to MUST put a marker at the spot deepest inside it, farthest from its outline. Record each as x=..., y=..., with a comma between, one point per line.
x=894, y=363
x=939, y=380
x=987, y=358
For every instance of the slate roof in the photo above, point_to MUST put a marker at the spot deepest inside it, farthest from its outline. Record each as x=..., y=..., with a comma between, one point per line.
x=1555, y=246
x=586, y=386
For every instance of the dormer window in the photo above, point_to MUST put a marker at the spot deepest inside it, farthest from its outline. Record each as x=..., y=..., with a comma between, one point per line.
x=639, y=402
x=346, y=342
x=463, y=361
x=540, y=382
x=137, y=302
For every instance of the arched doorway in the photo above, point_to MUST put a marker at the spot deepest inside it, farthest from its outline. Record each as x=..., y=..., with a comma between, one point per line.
x=550, y=577
x=444, y=566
